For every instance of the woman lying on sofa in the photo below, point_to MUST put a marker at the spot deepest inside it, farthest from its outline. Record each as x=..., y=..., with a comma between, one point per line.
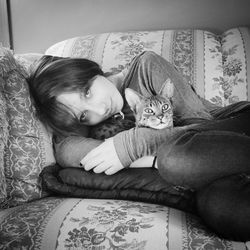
x=207, y=150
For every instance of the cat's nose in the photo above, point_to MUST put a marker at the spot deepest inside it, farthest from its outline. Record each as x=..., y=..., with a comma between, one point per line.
x=160, y=117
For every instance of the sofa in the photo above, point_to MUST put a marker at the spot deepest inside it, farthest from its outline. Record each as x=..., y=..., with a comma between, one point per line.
x=33, y=217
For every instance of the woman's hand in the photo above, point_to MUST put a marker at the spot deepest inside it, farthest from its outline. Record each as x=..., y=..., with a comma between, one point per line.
x=103, y=159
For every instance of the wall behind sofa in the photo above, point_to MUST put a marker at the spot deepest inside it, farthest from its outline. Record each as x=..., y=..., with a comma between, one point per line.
x=37, y=24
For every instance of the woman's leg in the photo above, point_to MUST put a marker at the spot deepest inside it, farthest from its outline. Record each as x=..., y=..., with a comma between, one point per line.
x=224, y=205
x=230, y=110
x=210, y=151
x=214, y=160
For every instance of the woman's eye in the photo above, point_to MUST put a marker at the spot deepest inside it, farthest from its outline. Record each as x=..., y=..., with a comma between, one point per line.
x=148, y=111
x=165, y=107
x=82, y=117
x=87, y=94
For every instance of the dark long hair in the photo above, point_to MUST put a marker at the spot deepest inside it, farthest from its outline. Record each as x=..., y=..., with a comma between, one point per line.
x=52, y=76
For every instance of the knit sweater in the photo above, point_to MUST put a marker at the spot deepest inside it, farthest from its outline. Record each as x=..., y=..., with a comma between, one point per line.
x=146, y=74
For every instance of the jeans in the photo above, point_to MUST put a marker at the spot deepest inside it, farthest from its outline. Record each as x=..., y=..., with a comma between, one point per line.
x=224, y=206
x=213, y=158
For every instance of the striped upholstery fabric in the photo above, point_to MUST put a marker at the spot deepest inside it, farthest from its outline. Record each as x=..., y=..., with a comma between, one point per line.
x=3, y=141
x=216, y=65
x=68, y=223
x=26, y=146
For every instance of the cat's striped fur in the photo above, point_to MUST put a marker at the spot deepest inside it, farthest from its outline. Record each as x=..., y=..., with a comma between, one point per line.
x=155, y=111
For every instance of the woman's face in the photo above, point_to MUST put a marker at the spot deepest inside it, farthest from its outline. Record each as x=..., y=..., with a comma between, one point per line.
x=99, y=102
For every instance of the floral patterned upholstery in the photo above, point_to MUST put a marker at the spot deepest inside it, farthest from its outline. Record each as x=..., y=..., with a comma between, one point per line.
x=236, y=68
x=28, y=146
x=59, y=223
x=218, y=68
x=3, y=142
x=216, y=65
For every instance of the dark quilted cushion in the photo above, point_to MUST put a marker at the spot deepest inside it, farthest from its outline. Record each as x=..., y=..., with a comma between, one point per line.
x=129, y=184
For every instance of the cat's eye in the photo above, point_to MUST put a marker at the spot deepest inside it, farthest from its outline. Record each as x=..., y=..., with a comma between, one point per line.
x=148, y=111
x=165, y=107
x=82, y=117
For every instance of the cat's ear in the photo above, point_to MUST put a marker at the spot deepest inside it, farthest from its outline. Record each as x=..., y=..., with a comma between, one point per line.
x=133, y=99
x=167, y=89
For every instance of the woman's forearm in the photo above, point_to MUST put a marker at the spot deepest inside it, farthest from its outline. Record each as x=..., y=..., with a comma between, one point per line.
x=135, y=143
x=71, y=150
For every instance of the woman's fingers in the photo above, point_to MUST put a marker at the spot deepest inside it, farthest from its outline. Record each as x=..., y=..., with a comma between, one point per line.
x=103, y=159
x=92, y=164
x=113, y=170
x=101, y=168
x=91, y=157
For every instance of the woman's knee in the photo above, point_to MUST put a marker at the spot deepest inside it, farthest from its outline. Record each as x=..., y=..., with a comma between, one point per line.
x=174, y=161
x=197, y=158
x=224, y=205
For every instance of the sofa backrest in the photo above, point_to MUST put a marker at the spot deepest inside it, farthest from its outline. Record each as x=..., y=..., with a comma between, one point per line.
x=216, y=65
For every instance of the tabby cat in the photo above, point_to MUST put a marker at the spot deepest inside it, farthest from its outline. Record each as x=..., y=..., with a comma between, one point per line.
x=155, y=111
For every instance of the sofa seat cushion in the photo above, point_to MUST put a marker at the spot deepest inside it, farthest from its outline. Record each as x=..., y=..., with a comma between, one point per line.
x=72, y=223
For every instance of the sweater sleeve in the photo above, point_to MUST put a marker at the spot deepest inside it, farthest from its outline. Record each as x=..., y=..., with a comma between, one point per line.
x=137, y=142
x=146, y=75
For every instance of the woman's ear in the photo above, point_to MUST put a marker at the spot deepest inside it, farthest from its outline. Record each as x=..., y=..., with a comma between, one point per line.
x=167, y=89
x=133, y=98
